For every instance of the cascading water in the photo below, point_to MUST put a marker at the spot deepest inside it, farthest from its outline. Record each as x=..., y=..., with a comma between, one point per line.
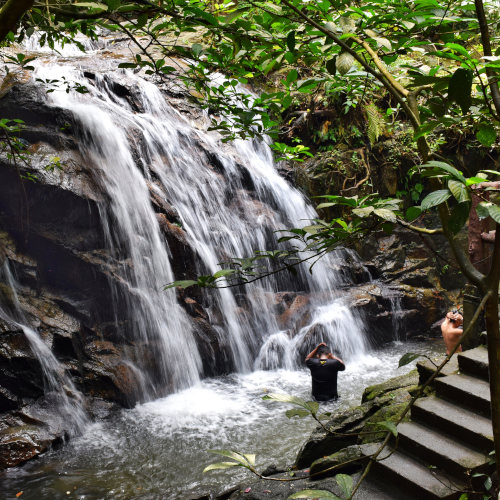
x=65, y=400
x=218, y=199
x=229, y=200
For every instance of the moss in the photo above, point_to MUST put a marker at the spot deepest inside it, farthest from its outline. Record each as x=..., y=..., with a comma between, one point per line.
x=403, y=381
x=391, y=413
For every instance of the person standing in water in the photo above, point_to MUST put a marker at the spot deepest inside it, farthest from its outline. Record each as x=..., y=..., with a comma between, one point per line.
x=324, y=367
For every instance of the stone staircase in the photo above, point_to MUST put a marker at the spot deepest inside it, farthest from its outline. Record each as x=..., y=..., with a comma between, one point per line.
x=448, y=439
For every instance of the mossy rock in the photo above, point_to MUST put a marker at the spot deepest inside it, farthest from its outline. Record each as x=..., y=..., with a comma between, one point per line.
x=375, y=391
x=346, y=461
x=391, y=414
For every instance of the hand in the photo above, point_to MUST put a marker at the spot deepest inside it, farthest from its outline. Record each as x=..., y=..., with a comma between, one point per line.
x=322, y=343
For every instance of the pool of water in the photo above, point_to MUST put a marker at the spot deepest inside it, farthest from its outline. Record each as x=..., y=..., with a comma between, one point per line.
x=159, y=449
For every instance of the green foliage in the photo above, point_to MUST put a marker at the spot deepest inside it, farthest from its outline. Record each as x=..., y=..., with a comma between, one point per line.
x=238, y=460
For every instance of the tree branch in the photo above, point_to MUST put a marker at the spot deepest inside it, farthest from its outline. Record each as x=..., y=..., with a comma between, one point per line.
x=10, y=15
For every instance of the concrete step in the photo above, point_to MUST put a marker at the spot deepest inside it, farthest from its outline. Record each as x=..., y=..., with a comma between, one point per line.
x=465, y=390
x=474, y=362
x=464, y=425
x=417, y=480
x=441, y=451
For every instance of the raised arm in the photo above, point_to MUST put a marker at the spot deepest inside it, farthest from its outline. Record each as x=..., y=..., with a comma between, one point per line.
x=313, y=352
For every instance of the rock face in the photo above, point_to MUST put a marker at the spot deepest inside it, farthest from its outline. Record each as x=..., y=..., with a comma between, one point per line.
x=52, y=241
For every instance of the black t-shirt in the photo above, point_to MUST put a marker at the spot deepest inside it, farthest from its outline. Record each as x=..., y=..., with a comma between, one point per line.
x=324, y=377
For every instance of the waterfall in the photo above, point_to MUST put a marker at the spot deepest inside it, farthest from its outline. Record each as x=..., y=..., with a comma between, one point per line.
x=230, y=202
x=66, y=401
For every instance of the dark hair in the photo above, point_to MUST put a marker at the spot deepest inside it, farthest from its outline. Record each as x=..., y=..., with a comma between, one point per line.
x=322, y=349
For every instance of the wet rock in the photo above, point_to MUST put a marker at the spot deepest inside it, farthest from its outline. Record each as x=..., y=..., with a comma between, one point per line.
x=346, y=461
x=19, y=444
x=376, y=391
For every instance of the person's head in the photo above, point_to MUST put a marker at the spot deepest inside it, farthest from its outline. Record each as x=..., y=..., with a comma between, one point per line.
x=323, y=350
x=456, y=318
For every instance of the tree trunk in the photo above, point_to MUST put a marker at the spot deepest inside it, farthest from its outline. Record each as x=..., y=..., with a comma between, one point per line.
x=493, y=331
x=11, y=13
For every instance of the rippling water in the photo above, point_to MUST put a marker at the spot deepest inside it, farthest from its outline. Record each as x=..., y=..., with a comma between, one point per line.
x=159, y=449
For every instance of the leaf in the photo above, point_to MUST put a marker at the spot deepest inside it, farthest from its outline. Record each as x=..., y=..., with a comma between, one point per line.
x=112, y=4
x=385, y=214
x=224, y=272
x=290, y=41
x=203, y=14
x=196, y=49
x=460, y=88
x=407, y=358
x=314, y=494
x=181, y=284
x=458, y=190
x=238, y=457
x=458, y=48
x=413, y=213
x=307, y=85
x=344, y=62
x=482, y=210
x=312, y=406
x=458, y=217
x=331, y=66
x=376, y=123
x=345, y=483
x=494, y=211
x=91, y=5
x=426, y=128
x=486, y=135
x=445, y=168
x=435, y=198
x=285, y=398
x=297, y=412
x=390, y=426
x=250, y=458
x=488, y=483
x=474, y=180
x=363, y=212
x=219, y=465
x=292, y=76
x=325, y=205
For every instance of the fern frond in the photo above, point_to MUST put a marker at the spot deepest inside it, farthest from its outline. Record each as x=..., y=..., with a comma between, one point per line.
x=376, y=123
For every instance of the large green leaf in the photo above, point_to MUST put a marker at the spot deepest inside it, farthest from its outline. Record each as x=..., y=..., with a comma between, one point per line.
x=413, y=213
x=386, y=214
x=345, y=483
x=435, y=198
x=297, y=412
x=459, y=191
x=486, y=135
x=445, y=168
x=408, y=357
x=460, y=88
x=494, y=211
x=363, y=212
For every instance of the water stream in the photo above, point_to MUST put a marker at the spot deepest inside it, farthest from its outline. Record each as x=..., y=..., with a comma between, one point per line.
x=159, y=449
